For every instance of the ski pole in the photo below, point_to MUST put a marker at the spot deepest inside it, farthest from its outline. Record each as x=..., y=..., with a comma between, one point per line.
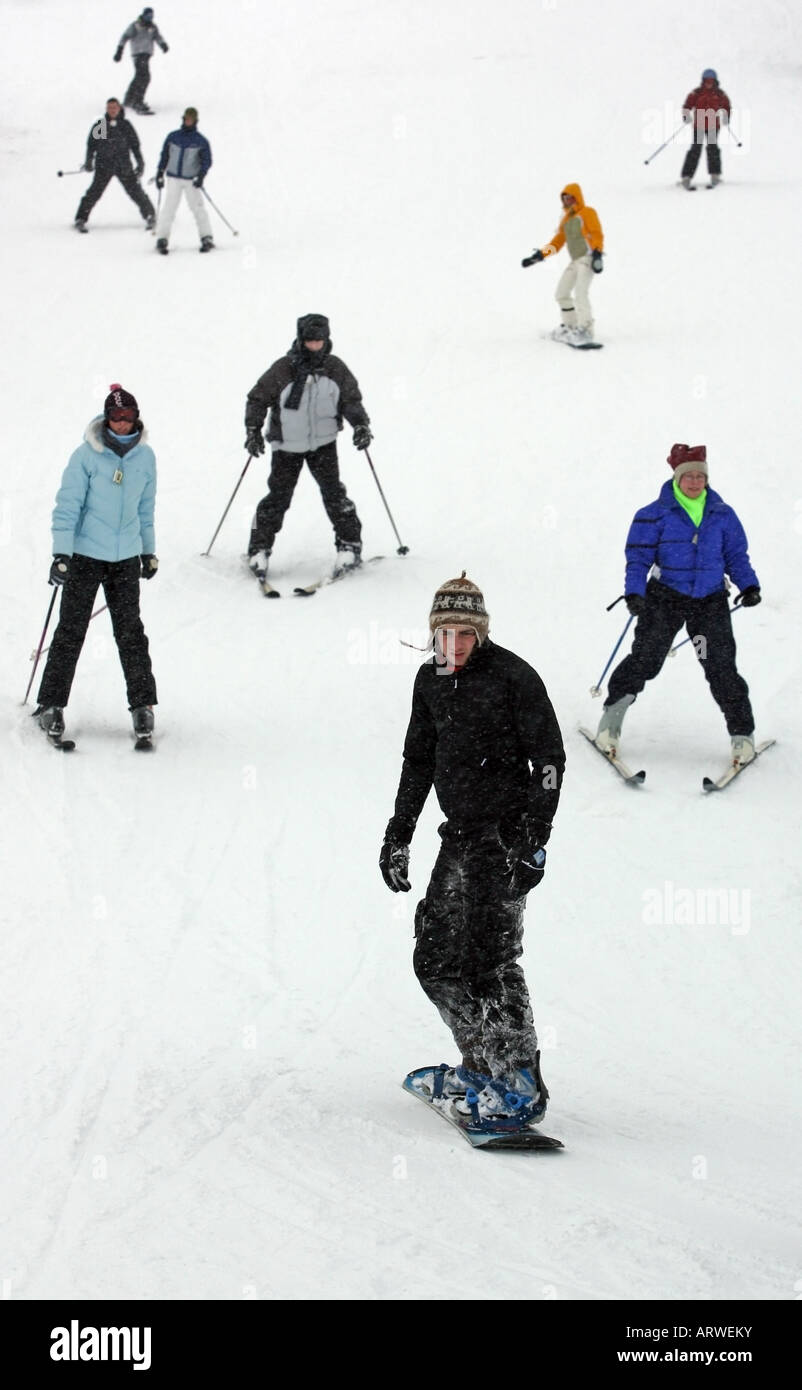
x=230, y=500
x=674, y=650
x=665, y=142
x=41, y=642
x=35, y=655
x=217, y=210
x=402, y=549
x=596, y=689
x=65, y=173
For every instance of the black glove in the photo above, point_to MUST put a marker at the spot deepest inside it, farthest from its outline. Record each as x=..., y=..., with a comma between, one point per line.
x=394, y=864
x=118, y=55
x=362, y=436
x=535, y=257
x=150, y=564
x=597, y=262
x=139, y=170
x=750, y=597
x=60, y=569
x=160, y=179
x=87, y=166
x=165, y=48
x=636, y=604
x=198, y=182
x=254, y=443
x=526, y=861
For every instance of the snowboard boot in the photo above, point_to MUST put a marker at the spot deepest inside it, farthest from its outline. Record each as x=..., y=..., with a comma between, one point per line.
x=51, y=720
x=258, y=563
x=161, y=245
x=80, y=224
x=578, y=337
x=150, y=222
x=562, y=334
x=207, y=244
x=743, y=749
x=608, y=734
x=143, y=721
x=349, y=556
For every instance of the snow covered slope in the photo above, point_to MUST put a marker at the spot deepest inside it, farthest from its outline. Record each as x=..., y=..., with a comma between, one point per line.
x=208, y=995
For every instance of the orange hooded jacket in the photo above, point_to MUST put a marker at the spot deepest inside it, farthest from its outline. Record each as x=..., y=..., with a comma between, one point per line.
x=589, y=225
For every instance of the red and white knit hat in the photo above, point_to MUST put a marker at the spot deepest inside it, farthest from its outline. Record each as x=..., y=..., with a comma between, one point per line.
x=687, y=458
x=460, y=603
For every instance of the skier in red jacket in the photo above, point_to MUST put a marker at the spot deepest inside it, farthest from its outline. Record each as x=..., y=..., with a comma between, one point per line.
x=708, y=107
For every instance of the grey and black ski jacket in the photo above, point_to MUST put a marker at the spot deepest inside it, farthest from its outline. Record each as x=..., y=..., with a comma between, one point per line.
x=330, y=394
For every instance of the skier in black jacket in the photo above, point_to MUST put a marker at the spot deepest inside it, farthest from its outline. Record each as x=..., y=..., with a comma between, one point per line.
x=111, y=143
x=308, y=392
x=482, y=732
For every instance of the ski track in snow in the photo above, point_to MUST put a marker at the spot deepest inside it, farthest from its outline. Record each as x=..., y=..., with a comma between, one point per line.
x=208, y=1000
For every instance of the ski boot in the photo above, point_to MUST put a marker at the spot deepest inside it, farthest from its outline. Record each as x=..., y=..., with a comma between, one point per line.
x=80, y=224
x=258, y=563
x=349, y=556
x=207, y=244
x=51, y=720
x=150, y=222
x=161, y=245
x=608, y=734
x=743, y=749
x=143, y=722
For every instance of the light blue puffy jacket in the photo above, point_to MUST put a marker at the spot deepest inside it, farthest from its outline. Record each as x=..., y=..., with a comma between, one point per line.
x=104, y=507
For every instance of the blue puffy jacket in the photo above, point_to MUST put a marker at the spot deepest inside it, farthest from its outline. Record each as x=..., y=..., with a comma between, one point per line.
x=692, y=560
x=185, y=154
x=97, y=516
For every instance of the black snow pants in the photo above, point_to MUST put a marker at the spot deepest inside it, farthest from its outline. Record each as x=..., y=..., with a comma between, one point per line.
x=104, y=174
x=695, y=151
x=709, y=625
x=120, y=580
x=468, y=939
x=140, y=81
x=285, y=471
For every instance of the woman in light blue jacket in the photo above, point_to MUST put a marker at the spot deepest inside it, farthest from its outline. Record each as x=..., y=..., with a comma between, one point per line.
x=103, y=535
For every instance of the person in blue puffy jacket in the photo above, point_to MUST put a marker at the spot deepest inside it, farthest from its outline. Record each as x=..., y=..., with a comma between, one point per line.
x=103, y=535
x=185, y=160
x=679, y=551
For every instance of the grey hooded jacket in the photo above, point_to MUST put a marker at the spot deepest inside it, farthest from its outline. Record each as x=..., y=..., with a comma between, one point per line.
x=142, y=38
x=331, y=393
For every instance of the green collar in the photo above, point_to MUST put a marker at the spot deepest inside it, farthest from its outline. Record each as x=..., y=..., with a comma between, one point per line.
x=694, y=506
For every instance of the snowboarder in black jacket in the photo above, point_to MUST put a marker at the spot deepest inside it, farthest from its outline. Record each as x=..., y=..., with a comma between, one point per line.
x=308, y=392
x=483, y=732
x=110, y=146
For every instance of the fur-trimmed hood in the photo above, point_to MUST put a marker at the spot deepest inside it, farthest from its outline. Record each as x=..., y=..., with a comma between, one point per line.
x=94, y=434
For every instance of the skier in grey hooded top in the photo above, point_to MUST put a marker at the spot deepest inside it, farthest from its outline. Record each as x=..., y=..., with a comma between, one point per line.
x=308, y=392
x=141, y=35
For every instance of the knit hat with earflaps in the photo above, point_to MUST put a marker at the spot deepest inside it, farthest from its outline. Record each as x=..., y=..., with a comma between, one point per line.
x=687, y=458
x=460, y=603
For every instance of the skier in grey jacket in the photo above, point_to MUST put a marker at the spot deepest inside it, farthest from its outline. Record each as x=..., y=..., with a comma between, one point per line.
x=141, y=35
x=308, y=392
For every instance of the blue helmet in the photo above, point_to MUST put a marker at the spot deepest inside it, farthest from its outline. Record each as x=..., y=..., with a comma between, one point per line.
x=710, y=72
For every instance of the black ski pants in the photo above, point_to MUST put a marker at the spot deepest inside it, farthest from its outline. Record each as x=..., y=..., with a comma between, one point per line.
x=120, y=581
x=468, y=939
x=695, y=151
x=140, y=80
x=285, y=471
x=709, y=625
x=104, y=174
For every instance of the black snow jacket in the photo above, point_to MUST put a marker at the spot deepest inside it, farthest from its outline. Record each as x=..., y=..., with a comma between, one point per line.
x=487, y=738
x=342, y=400
x=112, y=143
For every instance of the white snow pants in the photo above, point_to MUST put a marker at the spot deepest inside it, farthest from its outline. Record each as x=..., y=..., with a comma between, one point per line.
x=572, y=294
x=173, y=188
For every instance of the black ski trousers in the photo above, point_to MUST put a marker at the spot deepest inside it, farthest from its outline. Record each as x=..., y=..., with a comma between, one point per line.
x=695, y=151
x=468, y=939
x=120, y=581
x=103, y=177
x=285, y=471
x=709, y=626
x=140, y=81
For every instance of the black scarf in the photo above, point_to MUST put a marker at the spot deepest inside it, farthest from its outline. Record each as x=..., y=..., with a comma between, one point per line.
x=121, y=446
x=304, y=363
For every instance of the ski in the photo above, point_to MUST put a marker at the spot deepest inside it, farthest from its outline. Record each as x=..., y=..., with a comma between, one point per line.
x=338, y=573
x=710, y=784
x=64, y=745
x=632, y=779
x=503, y=1134
x=144, y=744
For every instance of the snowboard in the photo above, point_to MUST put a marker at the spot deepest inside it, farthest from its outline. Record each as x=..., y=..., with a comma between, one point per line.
x=502, y=1134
